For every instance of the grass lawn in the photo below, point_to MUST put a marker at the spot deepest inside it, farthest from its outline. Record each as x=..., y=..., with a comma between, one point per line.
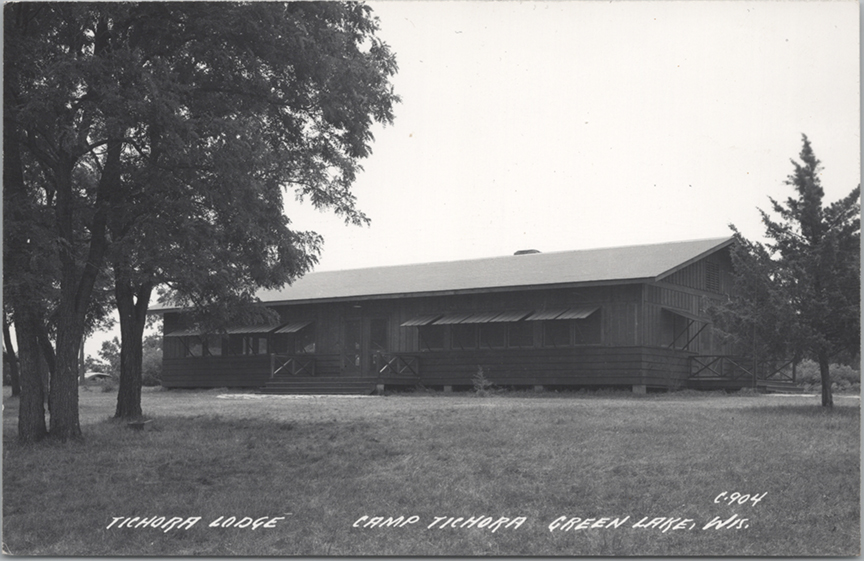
x=312, y=468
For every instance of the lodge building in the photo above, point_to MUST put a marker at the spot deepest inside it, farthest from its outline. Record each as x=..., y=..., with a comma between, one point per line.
x=626, y=316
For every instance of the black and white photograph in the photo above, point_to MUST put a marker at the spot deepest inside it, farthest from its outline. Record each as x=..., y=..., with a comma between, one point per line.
x=431, y=278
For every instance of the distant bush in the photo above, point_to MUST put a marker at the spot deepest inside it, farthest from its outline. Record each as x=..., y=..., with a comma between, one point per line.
x=151, y=363
x=807, y=373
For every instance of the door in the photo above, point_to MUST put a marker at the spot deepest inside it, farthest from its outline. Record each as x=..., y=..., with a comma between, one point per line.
x=352, y=354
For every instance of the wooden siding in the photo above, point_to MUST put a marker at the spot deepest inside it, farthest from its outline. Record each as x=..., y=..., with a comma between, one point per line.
x=232, y=371
x=216, y=372
x=696, y=275
x=633, y=347
x=687, y=291
x=578, y=366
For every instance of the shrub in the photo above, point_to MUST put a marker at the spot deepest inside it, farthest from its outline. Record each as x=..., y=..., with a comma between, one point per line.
x=807, y=373
x=482, y=385
x=151, y=369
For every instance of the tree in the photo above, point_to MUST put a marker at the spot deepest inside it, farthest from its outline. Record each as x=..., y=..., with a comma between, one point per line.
x=800, y=293
x=165, y=134
x=10, y=357
x=110, y=356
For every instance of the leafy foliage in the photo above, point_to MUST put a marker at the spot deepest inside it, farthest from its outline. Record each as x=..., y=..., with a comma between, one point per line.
x=158, y=139
x=151, y=363
x=807, y=372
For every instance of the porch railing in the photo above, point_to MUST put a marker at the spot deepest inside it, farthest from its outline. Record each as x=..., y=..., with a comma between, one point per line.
x=741, y=368
x=292, y=365
x=393, y=365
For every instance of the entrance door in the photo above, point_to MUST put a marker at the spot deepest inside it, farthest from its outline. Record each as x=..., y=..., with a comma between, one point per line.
x=352, y=354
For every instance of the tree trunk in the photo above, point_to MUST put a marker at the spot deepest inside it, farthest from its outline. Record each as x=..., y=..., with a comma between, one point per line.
x=81, y=371
x=132, y=306
x=31, y=406
x=827, y=397
x=77, y=284
x=63, y=394
x=13, y=360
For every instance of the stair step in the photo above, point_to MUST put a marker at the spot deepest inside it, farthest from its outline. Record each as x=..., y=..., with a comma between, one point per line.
x=307, y=385
x=780, y=387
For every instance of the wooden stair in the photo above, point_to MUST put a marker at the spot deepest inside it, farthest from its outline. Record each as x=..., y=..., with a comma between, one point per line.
x=720, y=383
x=318, y=385
x=768, y=386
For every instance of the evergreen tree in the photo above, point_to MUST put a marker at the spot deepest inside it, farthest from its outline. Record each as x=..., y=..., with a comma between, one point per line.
x=800, y=293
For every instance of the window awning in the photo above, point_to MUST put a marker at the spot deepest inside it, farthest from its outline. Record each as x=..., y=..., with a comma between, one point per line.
x=183, y=333
x=545, y=314
x=510, y=316
x=578, y=313
x=484, y=317
x=234, y=330
x=563, y=313
x=293, y=327
x=424, y=319
x=686, y=314
x=450, y=319
x=465, y=317
x=250, y=329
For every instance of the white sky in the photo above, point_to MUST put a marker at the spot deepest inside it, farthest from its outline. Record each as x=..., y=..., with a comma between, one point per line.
x=580, y=124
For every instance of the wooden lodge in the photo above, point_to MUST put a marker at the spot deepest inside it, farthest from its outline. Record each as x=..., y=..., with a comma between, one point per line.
x=626, y=316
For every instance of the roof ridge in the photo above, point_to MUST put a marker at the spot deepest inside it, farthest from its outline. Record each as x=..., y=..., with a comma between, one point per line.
x=527, y=255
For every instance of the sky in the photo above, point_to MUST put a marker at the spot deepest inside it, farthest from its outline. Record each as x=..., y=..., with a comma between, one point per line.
x=581, y=124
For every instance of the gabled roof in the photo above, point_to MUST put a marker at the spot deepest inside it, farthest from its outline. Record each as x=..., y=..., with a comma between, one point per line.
x=535, y=270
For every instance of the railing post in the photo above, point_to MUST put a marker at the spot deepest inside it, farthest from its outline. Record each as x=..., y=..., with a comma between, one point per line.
x=272, y=364
x=755, y=369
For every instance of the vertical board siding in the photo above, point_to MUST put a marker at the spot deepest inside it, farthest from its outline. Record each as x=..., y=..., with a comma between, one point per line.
x=694, y=275
x=691, y=276
x=631, y=350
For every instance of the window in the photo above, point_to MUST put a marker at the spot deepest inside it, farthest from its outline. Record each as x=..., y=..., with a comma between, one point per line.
x=294, y=338
x=192, y=346
x=431, y=337
x=493, y=335
x=233, y=345
x=463, y=336
x=712, y=276
x=587, y=330
x=253, y=345
x=378, y=335
x=304, y=340
x=680, y=331
x=214, y=346
x=556, y=333
x=283, y=343
x=521, y=334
